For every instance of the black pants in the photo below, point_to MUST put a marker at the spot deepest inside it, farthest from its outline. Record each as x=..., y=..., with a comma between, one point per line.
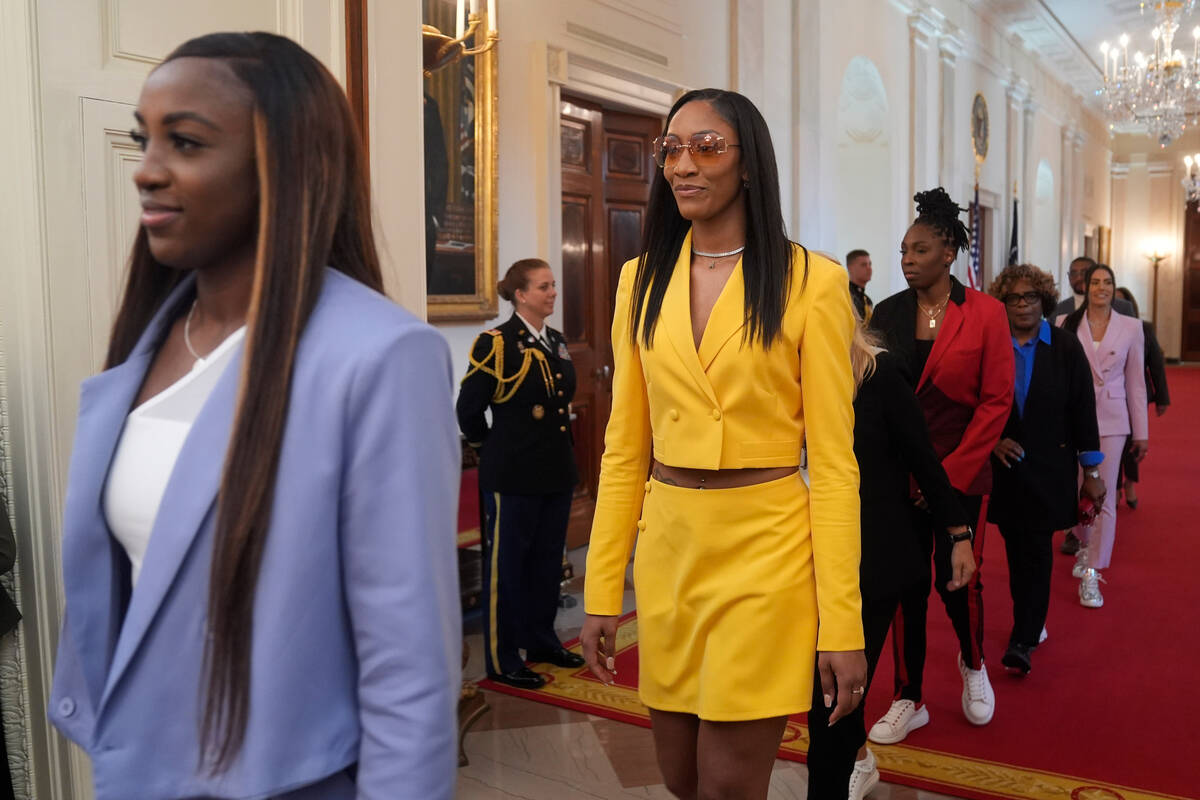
x=1129, y=465
x=831, y=750
x=964, y=606
x=1030, y=559
x=523, y=539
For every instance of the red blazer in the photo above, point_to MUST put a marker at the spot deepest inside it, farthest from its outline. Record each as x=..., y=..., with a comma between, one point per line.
x=966, y=387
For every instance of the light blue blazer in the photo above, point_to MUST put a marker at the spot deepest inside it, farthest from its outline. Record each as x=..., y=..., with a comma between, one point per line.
x=356, y=651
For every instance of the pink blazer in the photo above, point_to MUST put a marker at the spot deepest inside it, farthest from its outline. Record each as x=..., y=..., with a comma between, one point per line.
x=1118, y=376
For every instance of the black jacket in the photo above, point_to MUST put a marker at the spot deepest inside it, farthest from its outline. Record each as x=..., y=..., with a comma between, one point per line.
x=1040, y=492
x=891, y=442
x=528, y=448
x=1156, y=369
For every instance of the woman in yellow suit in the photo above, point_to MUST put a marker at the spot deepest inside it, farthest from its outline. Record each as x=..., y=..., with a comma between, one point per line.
x=732, y=350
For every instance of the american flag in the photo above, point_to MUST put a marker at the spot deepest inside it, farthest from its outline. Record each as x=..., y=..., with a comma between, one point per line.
x=974, y=269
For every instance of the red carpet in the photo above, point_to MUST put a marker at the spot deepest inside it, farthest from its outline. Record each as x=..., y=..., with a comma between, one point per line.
x=1110, y=710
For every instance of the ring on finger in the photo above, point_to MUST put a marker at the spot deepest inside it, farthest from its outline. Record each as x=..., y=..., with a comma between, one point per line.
x=859, y=690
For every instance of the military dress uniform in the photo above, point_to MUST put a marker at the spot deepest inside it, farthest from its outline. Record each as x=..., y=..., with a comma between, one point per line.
x=527, y=474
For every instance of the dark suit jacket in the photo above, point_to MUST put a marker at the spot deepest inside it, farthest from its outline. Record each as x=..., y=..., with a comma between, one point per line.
x=9, y=615
x=1068, y=305
x=966, y=388
x=891, y=442
x=528, y=448
x=1040, y=491
x=1156, y=369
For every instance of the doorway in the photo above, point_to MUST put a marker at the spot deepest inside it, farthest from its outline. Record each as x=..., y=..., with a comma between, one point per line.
x=1189, y=345
x=606, y=174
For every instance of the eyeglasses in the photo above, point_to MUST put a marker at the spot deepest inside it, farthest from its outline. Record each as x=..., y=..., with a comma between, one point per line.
x=704, y=147
x=1030, y=298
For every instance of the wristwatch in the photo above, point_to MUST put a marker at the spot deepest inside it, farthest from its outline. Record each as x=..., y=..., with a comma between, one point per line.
x=1092, y=472
x=966, y=536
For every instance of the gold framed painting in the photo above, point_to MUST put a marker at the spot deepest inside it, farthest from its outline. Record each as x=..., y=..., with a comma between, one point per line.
x=460, y=178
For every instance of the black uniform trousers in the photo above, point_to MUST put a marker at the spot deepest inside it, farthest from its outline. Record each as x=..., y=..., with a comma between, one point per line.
x=1030, y=556
x=523, y=540
x=963, y=606
x=831, y=750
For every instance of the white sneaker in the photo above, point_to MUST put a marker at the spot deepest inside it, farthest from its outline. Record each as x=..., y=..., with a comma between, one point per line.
x=1089, y=589
x=901, y=719
x=1045, y=635
x=978, y=699
x=865, y=776
x=1081, y=562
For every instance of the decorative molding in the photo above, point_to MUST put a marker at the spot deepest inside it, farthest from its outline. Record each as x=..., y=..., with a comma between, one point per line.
x=1119, y=171
x=591, y=78
x=556, y=65
x=614, y=43
x=924, y=25
x=1160, y=169
x=1017, y=91
x=951, y=47
x=667, y=21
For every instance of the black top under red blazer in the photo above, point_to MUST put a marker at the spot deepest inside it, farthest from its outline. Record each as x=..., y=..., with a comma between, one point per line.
x=966, y=388
x=890, y=443
x=1039, y=492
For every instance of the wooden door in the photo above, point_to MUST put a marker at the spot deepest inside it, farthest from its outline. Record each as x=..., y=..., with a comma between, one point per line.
x=1190, y=328
x=606, y=173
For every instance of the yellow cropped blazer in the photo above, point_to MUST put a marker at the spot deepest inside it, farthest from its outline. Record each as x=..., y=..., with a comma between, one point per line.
x=733, y=404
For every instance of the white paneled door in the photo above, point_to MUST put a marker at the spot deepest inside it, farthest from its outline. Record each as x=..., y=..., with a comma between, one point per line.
x=70, y=74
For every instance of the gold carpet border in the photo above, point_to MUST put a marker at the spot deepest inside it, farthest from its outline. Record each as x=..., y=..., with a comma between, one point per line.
x=946, y=770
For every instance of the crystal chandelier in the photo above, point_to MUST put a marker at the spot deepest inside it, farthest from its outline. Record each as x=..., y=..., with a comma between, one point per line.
x=1191, y=182
x=1160, y=92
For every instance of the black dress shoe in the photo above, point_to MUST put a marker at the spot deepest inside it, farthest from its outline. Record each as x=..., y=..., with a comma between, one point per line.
x=1017, y=658
x=522, y=678
x=562, y=657
x=1070, y=545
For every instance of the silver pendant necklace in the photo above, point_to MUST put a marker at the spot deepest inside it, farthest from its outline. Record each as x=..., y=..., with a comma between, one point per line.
x=717, y=256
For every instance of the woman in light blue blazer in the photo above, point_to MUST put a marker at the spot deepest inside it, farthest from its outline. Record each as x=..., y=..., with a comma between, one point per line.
x=258, y=551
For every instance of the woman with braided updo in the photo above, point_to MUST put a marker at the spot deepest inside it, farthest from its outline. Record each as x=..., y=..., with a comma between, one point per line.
x=956, y=345
x=522, y=371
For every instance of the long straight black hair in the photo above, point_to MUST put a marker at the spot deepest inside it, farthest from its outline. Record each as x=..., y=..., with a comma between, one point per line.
x=314, y=211
x=767, y=259
x=1071, y=323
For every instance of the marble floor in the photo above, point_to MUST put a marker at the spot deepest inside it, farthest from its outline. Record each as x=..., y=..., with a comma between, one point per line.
x=533, y=751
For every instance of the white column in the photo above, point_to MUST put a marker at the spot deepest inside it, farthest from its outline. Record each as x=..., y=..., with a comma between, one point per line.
x=762, y=30
x=813, y=181
x=1027, y=167
x=1014, y=159
x=1067, y=209
x=923, y=108
x=1077, y=145
x=950, y=48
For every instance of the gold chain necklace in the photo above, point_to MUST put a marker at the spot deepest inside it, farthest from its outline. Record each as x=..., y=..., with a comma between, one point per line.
x=933, y=315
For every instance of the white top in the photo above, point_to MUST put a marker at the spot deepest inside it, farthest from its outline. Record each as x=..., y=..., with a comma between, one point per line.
x=1096, y=345
x=150, y=443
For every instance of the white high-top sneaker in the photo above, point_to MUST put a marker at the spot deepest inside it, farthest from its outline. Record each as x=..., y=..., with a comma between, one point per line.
x=865, y=776
x=1081, y=562
x=1089, y=589
x=978, y=699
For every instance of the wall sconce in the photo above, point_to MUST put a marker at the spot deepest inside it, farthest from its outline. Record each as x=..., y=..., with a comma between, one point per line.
x=1191, y=182
x=441, y=51
x=1158, y=251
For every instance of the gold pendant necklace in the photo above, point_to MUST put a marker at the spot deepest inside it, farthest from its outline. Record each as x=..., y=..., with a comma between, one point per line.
x=933, y=315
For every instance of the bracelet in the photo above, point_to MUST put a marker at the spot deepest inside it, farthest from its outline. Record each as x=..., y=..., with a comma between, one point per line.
x=966, y=536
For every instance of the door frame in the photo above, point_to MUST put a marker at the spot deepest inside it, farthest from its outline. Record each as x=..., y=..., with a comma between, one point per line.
x=608, y=86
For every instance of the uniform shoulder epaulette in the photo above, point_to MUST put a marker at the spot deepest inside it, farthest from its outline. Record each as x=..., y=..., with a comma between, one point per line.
x=494, y=332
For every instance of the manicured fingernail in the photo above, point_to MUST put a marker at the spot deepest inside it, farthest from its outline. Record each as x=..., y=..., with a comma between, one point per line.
x=828, y=700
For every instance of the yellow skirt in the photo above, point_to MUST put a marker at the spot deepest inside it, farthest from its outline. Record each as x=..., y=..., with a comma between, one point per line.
x=726, y=600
